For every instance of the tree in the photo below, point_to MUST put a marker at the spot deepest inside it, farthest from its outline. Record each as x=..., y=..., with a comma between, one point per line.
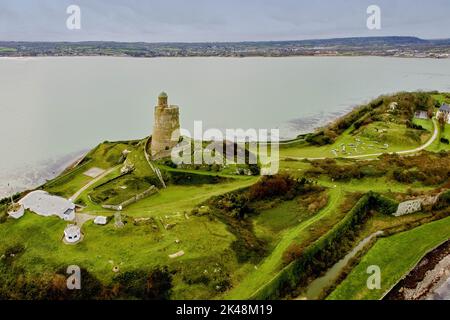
x=442, y=118
x=159, y=284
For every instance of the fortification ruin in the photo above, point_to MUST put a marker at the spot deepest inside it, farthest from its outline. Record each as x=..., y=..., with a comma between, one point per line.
x=166, y=128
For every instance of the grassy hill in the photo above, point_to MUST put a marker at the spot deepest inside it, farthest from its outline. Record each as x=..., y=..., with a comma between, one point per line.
x=238, y=232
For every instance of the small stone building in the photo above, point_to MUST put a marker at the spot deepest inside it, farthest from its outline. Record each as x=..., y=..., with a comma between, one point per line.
x=166, y=128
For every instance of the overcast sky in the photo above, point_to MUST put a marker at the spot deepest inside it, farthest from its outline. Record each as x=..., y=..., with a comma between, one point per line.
x=214, y=20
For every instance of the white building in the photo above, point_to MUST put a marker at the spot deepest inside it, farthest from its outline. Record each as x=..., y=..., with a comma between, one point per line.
x=46, y=205
x=444, y=111
x=72, y=234
x=101, y=220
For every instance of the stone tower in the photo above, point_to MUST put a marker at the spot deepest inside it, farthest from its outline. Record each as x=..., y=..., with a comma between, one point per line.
x=165, y=129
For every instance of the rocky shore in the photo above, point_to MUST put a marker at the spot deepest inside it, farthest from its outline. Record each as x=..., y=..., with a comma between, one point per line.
x=429, y=280
x=31, y=176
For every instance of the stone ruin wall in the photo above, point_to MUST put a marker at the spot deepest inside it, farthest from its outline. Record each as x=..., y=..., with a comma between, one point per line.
x=150, y=191
x=413, y=206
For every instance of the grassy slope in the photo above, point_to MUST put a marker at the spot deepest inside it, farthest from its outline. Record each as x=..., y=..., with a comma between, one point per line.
x=395, y=257
x=437, y=145
x=176, y=199
x=132, y=247
x=283, y=216
x=141, y=247
x=368, y=135
x=271, y=264
x=380, y=184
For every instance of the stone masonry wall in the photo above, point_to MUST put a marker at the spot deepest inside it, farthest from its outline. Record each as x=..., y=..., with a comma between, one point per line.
x=166, y=123
x=136, y=198
x=408, y=207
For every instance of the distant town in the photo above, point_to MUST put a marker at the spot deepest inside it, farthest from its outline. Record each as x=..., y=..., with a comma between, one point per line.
x=407, y=47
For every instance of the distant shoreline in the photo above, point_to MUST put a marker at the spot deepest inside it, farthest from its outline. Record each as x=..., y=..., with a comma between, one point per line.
x=219, y=57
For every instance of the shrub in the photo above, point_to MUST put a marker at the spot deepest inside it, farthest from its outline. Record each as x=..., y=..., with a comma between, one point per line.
x=319, y=139
x=294, y=251
x=235, y=204
x=280, y=185
x=403, y=176
x=217, y=279
x=272, y=186
x=156, y=285
x=443, y=201
x=412, y=125
x=12, y=251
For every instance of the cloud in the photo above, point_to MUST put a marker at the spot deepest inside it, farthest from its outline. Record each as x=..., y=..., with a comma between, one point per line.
x=214, y=20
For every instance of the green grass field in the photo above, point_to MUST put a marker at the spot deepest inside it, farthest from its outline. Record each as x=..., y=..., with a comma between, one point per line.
x=207, y=241
x=179, y=199
x=283, y=216
x=368, y=140
x=130, y=248
x=136, y=246
x=396, y=256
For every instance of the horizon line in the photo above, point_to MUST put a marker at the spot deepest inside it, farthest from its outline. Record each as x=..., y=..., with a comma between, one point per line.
x=225, y=42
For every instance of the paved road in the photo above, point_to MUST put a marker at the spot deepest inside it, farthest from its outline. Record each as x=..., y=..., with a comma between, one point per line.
x=77, y=194
x=422, y=147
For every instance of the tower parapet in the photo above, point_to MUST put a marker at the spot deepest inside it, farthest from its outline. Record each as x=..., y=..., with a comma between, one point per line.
x=162, y=100
x=166, y=128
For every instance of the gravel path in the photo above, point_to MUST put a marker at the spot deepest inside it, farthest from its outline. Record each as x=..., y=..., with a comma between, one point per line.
x=104, y=174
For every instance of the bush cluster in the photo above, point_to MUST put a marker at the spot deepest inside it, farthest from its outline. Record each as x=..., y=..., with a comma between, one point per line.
x=303, y=263
x=427, y=168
